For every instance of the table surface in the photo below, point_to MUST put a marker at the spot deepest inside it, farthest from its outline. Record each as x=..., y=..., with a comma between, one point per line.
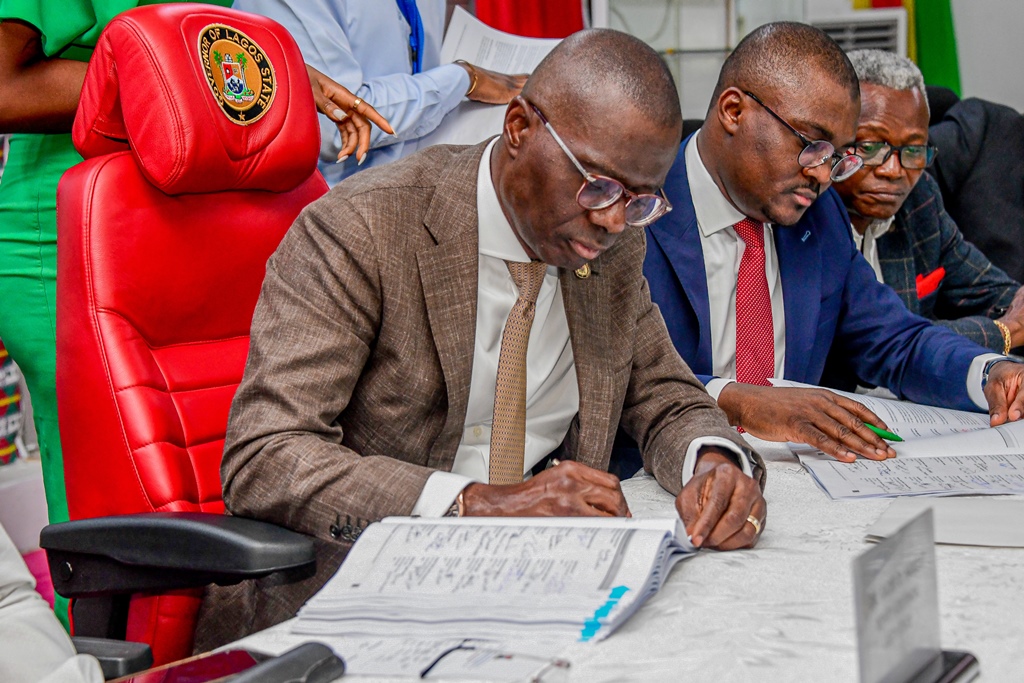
x=784, y=610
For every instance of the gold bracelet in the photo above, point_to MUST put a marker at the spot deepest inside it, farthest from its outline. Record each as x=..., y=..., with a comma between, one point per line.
x=1007, y=340
x=472, y=72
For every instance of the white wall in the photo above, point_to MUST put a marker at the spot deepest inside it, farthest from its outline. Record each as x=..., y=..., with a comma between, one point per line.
x=990, y=46
x=988, y=34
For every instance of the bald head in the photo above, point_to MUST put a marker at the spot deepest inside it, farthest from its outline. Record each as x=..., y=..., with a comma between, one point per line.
x=591, y=70
x=602, y=103
x=781, y=57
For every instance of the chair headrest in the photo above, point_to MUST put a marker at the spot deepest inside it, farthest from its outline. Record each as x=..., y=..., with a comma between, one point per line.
x=207, y=99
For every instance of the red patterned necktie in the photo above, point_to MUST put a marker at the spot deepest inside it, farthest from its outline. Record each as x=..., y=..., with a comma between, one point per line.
x=755, y=332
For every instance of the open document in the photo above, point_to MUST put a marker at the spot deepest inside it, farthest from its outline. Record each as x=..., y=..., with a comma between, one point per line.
x=510, y=580
x=470, y=39
x=943, y=452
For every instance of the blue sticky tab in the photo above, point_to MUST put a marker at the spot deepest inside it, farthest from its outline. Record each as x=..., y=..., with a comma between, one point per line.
x=593, y=625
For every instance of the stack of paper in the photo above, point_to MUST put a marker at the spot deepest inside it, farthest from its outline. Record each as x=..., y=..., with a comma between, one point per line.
x=992, y=522
x=571, y=579
x=945, y=452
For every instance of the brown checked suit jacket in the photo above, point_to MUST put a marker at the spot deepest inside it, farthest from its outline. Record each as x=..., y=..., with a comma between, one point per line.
x=358, y=376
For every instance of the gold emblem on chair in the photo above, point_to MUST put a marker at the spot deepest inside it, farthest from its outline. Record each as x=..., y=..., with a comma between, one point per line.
x=238, y=72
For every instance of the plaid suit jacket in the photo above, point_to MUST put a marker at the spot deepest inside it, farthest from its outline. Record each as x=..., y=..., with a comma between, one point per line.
x=971, y=292
x=357, y=382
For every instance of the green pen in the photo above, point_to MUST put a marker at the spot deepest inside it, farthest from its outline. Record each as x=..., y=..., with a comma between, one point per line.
x=888, y=436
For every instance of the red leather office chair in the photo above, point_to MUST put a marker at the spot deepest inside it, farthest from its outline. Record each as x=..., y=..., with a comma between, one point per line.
x=200, y=141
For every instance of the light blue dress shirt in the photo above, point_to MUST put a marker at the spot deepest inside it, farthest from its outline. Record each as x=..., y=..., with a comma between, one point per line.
x=364, y=46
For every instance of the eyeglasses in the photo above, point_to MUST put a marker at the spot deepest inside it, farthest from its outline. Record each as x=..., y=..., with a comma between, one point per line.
x=599, y=192
x=913, y=157
x=816, y=153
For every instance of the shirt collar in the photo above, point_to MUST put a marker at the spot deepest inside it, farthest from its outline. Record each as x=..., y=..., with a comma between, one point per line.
x=495, y=233
x=714, y=212
x=875, y=229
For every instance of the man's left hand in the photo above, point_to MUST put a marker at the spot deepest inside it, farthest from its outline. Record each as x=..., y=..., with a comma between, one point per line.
x=716, y=502
x=1003, y=391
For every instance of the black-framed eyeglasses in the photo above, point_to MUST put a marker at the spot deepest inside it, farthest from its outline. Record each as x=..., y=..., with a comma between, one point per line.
x=913, y=157
x=817, y=152
x=599, y=191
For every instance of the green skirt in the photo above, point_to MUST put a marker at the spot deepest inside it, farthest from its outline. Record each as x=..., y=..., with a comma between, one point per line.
x=28, y=283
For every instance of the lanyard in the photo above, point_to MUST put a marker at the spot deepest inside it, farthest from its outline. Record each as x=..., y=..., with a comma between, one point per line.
x=412, y=15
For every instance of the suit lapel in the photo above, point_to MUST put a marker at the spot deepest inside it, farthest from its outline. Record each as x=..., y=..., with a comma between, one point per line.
x=448, y=274
x=678, y=235
x=588, y=313
x=800, y=270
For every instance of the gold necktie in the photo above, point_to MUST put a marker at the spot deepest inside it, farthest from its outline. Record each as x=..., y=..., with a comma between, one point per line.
x=508, y=430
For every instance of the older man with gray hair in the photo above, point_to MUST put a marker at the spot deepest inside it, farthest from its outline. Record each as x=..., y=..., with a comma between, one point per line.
x=899, y=222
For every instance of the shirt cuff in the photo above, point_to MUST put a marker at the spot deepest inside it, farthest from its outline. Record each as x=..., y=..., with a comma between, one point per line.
x=451, y=78
x=974, y=390
x=715, y=386
x=440, y=491
x=690, y=461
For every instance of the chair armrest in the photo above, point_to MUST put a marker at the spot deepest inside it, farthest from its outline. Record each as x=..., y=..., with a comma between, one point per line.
x=168, y=550
x=117, y=657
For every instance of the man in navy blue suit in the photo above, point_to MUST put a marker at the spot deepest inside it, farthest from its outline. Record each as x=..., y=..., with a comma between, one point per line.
x=756, y=273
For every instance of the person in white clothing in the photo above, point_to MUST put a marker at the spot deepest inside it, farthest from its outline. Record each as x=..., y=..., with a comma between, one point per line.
x=33, y=644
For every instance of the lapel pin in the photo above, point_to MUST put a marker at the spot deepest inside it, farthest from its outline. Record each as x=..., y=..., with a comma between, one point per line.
x=806, y=235
x=583, y=272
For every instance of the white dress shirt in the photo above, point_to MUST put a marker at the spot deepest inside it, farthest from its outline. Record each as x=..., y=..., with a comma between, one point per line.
x=867, y=244
x=552, y=392
x=723, y=250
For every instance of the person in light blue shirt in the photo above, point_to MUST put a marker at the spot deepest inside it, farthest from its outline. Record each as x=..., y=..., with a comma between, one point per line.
x=388, y=53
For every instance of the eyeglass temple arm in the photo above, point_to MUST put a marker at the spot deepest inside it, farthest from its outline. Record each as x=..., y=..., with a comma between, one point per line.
x=569, y=154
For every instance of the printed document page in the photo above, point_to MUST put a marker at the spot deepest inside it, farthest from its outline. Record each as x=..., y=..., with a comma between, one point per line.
x=461, y=578
x=936, y=476
x=470, y=39
x=1006, y=438
x=944, y=452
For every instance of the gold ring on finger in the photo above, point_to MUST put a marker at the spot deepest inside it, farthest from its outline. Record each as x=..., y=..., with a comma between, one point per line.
x=756, y=523
x=356, y=103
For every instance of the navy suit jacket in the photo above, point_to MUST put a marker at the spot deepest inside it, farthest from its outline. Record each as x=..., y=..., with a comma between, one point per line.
x=833, y=304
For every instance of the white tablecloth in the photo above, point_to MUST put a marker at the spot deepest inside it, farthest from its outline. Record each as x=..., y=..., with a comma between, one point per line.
x=784, y=611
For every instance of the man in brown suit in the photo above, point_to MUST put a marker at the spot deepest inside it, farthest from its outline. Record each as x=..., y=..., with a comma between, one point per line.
x=374, y=340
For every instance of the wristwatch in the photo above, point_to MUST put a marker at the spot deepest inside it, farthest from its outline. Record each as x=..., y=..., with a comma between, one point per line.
x=989, y=365
x=457, y=507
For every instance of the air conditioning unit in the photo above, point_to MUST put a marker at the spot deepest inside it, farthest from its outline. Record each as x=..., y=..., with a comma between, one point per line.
x=881, y=29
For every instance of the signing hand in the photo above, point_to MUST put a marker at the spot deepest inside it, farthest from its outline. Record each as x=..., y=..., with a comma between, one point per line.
x=338, y=104
x=568, y=489
x=1005, y=399
x=492, y=87
x=715, y=504
x=827, y=421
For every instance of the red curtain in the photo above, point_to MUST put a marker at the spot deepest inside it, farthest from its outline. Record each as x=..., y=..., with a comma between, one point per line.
x=535, y=18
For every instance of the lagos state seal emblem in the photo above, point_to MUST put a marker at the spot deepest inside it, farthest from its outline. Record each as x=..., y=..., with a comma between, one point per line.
x=238, y=72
